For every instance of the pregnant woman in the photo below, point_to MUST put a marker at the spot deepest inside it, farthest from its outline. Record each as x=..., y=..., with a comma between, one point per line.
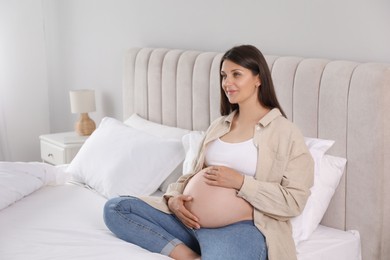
x=253, y=173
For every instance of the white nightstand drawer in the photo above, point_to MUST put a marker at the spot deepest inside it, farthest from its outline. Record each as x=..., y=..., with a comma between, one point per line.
x=60, y=148
x=52, y=154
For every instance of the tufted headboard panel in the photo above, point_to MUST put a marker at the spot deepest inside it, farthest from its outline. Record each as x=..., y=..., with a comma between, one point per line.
x=344, y=101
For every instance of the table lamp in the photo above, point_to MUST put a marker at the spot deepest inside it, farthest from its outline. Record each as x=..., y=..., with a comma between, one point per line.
x=83, y=101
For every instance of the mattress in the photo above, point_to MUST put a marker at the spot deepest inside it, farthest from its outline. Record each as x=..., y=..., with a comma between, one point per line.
x=328, y=243
x=65, y=222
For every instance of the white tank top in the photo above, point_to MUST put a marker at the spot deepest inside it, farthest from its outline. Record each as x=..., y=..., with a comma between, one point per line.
x=241, y=157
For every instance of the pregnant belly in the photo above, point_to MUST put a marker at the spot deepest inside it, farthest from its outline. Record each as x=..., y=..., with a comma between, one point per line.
x=215, y=206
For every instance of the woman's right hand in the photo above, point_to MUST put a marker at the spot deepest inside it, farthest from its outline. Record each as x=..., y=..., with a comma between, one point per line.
x=177, y=206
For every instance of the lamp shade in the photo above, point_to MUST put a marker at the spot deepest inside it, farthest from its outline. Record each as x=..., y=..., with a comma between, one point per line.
x=82, y=101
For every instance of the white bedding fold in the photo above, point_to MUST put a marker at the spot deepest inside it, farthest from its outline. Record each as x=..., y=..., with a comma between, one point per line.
x=19, y=179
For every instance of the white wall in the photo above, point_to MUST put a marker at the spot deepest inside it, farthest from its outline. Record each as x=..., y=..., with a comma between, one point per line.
x=94, y=34
x=23, y=79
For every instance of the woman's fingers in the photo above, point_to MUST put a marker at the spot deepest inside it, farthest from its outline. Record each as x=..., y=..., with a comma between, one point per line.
x=189, y=219
x=213, y=170
x=177, y=206
x=187, y=214
x=211, y=175
x=223, y=176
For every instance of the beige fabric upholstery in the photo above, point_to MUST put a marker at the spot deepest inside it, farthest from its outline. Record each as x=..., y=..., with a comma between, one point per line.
x=340, y=100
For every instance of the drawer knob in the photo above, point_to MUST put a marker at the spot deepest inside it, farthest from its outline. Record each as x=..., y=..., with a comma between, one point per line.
x=50, y=155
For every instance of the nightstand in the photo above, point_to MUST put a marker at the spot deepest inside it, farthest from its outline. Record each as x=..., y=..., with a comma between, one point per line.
x=60, y=148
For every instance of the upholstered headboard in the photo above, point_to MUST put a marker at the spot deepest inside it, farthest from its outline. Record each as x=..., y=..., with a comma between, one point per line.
x=344, y=101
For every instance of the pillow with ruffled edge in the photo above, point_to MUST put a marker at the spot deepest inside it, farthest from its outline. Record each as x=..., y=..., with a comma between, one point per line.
x=120, y=160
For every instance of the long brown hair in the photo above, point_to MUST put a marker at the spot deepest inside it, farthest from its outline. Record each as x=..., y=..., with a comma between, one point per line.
x=251, y=58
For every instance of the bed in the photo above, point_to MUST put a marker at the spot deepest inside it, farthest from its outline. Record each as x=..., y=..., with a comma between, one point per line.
x=170, y=97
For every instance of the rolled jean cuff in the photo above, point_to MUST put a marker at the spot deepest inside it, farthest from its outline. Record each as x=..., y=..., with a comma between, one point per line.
x=170, y=246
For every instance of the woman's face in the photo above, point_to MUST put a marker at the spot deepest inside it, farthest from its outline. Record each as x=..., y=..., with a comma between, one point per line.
x=239, y=83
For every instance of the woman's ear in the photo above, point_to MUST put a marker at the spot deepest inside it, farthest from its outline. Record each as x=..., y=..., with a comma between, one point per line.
x=258, y=83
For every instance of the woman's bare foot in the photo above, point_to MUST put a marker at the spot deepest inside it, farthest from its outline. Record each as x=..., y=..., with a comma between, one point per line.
x=183, y=252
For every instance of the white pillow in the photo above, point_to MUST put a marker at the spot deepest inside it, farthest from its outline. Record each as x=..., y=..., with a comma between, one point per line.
x=154, y=128
x=326, y=181
x=120, y=160
x=318, y=148
x=192, y=143
x=161, y=131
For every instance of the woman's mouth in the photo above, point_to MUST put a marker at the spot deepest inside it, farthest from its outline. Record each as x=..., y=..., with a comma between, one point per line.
x=230, y=92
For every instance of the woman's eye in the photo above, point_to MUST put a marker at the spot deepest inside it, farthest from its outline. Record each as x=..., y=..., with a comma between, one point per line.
x=236, y=75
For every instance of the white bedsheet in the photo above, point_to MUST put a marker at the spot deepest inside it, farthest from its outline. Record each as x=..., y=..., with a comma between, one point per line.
x=65, y=222
x=62, y=222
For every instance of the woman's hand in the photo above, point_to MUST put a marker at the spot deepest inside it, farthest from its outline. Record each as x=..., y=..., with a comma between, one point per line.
x=177, y=206
x=223, y=176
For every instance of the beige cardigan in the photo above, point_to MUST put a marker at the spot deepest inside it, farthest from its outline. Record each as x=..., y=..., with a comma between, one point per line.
x=281, y=185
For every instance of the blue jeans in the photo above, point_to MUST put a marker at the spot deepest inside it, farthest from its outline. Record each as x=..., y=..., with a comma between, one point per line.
x=134, y=221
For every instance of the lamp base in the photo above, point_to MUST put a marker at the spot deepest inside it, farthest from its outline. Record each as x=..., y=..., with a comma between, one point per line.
x=85, y=125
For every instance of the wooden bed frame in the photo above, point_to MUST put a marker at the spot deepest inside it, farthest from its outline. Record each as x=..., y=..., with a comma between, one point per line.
x=339, y=100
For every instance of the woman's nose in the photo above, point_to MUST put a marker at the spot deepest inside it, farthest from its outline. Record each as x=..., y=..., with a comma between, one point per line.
x=227, y=81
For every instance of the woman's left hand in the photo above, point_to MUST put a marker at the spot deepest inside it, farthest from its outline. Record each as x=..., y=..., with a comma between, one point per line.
x=223, y=177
